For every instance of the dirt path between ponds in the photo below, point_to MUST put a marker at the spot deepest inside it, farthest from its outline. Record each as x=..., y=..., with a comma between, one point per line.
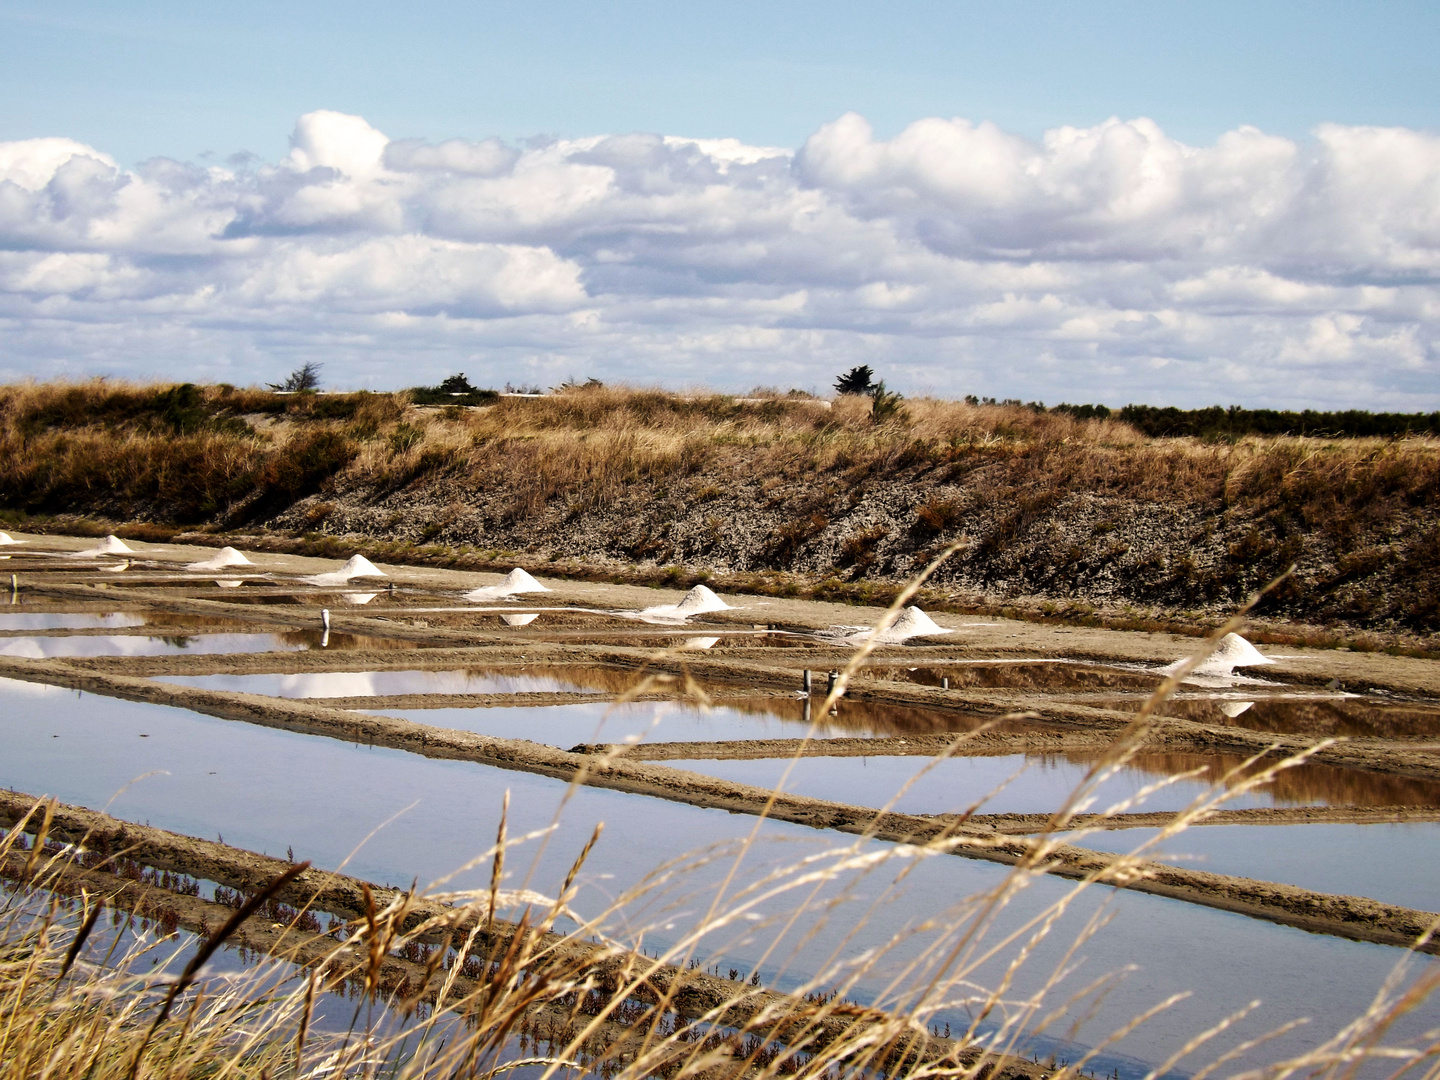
x=1021, y=824
x=979, y=744
x=694, y=994
x=1357, y=918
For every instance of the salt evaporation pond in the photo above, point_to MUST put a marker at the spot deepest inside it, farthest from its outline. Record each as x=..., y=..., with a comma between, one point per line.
x=266, y=789
x=603, y=722
x=1296, y=712
x=337, y=684
x=1014, y=783
x=67, y=620
x=1393, y=863
x=191, y=644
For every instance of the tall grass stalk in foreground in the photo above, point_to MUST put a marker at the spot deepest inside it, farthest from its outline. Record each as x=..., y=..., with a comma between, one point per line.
x=79, y=997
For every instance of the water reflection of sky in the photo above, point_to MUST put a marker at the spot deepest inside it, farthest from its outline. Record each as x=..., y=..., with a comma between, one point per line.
x=1006, y=784
x=567, y=725
x=336, y=684
x=66, y=620
x=140, y=645
x=192, y=644
x=1036, y=784
x=266, y=789
x=1393, y=863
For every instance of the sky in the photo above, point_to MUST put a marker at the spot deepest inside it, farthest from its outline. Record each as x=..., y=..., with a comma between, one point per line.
x=1184, y=203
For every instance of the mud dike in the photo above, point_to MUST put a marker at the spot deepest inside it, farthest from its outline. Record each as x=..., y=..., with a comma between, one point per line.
x=710, y=706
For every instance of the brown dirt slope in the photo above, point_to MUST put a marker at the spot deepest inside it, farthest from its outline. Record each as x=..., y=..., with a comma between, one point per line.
x=1053, y=510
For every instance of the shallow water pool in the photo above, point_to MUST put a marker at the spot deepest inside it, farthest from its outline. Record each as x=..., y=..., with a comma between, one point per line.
x=67, y=620
x=266, y=790
x=335, y=684
x=1037, y=784
x=193, y=644
x=1393, y=863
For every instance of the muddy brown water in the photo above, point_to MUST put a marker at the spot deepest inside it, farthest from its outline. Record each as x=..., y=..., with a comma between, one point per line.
x=266, y=789
x=1294, y=713
x=1050, y=675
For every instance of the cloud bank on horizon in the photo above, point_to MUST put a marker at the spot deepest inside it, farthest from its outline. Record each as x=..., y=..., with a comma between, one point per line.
x=1110, y=263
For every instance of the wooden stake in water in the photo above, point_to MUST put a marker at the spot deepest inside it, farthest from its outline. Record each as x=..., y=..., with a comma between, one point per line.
x=805, y=682
x=945, y=683
x=325, y=618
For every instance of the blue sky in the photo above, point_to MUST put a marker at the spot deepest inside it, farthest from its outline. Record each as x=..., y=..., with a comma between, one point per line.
x=179, y=79
x=1173, y=203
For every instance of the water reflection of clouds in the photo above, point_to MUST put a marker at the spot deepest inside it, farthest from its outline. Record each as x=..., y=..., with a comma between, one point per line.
x=30, y=689
x=339, y=684
x=43, y=648
x=66, y=620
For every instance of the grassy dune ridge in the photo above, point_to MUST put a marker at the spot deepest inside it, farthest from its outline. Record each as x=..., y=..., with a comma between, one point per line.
x=1059, y=511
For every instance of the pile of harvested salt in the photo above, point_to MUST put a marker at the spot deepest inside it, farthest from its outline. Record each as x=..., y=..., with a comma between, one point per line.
x=519, y=620
x=695, y=602
x=1232, y=652
x=517, y=581
x=911, y=623
x=6, y=538
x=225, y=557
x=358, y=566
x=111, y=545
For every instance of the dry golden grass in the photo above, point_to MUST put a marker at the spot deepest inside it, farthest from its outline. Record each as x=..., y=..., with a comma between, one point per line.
x=192, y=456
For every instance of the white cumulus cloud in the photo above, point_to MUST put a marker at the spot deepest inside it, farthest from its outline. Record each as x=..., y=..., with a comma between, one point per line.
x=1108, y=263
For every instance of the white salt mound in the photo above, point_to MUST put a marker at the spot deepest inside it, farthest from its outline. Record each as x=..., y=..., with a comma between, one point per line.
x=111, y=545
x=912, y=622
x=698, y=600
x=1233, y=709
x=358, y=566
x=517, y=581
x=1233, y=651
x=6, y=538
x=226, y=556
x=229, y=583
x=358, y=597
x=915, y=623
x=695, y=602
x=519, y=620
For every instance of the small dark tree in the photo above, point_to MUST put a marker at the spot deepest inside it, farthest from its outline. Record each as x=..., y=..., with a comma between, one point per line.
x=300, y=380
x=886, y=407
x=858, y=380
x=457, y=384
